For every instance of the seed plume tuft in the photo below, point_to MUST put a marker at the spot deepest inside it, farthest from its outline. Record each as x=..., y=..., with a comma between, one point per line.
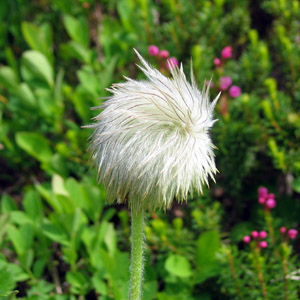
x=151, y=141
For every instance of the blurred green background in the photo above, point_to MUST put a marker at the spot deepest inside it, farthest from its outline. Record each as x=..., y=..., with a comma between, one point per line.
x=58, y=239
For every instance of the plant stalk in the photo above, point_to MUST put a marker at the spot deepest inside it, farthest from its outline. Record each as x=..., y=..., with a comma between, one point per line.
x=137, y=245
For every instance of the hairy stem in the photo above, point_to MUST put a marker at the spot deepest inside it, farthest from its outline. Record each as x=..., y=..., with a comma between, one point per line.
x=136, y=268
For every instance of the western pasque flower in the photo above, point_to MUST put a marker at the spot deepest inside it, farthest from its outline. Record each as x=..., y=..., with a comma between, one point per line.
x=151, y=142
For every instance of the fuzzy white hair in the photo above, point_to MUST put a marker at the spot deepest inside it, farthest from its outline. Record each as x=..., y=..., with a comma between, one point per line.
x=151, y=142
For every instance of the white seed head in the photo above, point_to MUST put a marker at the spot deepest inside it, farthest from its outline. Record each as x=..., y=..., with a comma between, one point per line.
x=151, y=142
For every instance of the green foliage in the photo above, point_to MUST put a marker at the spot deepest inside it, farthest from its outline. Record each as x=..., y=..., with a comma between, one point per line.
x=58, y=239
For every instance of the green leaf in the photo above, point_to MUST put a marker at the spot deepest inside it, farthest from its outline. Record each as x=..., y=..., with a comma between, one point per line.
x=89, y=80
x=21, y=238
x=4, y=223
x=75, y=50
x=77, y=29
x=19, y=217
x=149, y=290
x=8, y=78
x=36, y=69
x=7, y=280
x=296, y=185
x=7, y=204
x=55, y=233
x=79, y=282
x=110, y=239
x=33, y=205
x=207, y=246
x=75, y=190
x=24, y=92
x=50, y=197
x=99, y=285
x=34, y=144
x=38, y=38
x=178, y=265
x=58, y=186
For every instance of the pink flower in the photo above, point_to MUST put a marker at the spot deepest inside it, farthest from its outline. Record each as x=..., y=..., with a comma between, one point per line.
x=217, y=61
x=246, y=239
x=292, y=233
x=225, y=82
x=235, y=91
x=164, y=54
x=270, y=203
x=282, y=230
x=172, y=62
x=153, y=50
x=263, y=234
x=254, y=234
x=227, y=52
x=262, y=191
x=271, y=195
x=263, y=244
x=261, y=200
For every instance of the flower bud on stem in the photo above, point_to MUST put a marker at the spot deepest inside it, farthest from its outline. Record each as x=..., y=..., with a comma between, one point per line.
x=269, y=221
x=257, y=264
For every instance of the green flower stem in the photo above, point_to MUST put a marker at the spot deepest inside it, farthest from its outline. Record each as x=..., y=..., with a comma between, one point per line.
x=137, y=244
x=269, y=221
x=258, y=266
x=233, y=273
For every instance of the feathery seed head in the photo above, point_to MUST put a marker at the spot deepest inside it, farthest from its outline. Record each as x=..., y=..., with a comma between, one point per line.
x=151, y=142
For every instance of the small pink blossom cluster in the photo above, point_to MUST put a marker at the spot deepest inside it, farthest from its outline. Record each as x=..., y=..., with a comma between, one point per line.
x=257, y=236
x=164, y=54
x=225, y=83
x=265, y=198
x=291, y=233
x=225, y=54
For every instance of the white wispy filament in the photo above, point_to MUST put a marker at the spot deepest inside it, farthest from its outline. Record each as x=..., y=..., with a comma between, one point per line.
x=151, y=142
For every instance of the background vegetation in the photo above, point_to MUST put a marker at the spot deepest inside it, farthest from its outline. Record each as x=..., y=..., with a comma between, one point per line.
x=58, y=239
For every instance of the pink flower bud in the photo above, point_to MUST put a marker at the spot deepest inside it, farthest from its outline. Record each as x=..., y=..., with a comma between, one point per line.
x=225, y=82
x=261, y=200
x=153, y=50
x=262, y=191
x=263, y=244
x=254, y=234
x=246, y=239
x=217, y=61
x=292, y=233
x=164, y=54
x=172, y=62
x=227, y=52
x=271, y=196
x=263, y=234
x=235, y=91
x=282, y=230
x=270, y=203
